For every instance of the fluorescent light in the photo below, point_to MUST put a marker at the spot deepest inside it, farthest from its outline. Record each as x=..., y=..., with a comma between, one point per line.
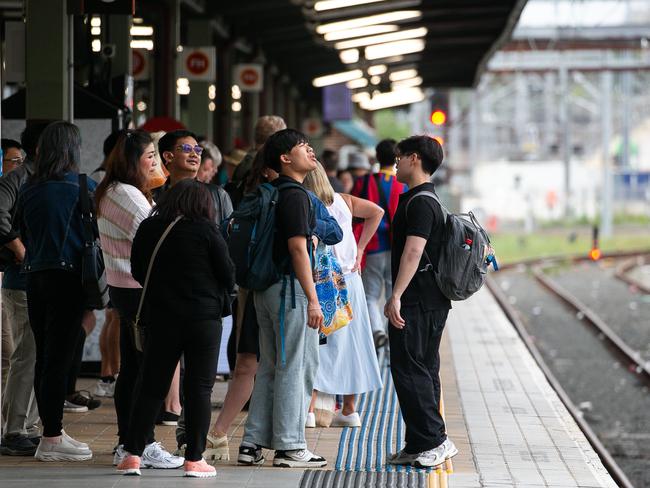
x=142, y=44
x=212, y=92
x=141, y=30
x=96, y=45
x=361, y=31
x=235, y=91
x=393, y=36
x=212, y=106
x=370, y=20
x=349, y=56
x=375, y=80
x=379, y=69
x=393, y=98
x=394, y=48
x=95, y=22
x=409, y=83
x=405, y=74
x=334, y=4
x=138, y=20
x=95, y=31
x=337, y=78
x=360, y=97
x=236, y=106
x=360, y=83
x=183, y=86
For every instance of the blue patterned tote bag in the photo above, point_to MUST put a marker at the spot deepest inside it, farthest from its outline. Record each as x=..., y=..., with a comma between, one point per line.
x=331, y=290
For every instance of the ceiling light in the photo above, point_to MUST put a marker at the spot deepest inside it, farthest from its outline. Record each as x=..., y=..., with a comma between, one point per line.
x=411, y=82
x=337, y=78
x=183, y=86
x=393, y=36
x=370, y=20
x=349, y=56
x=95, y=22
x=361, y=31
x=95, y=31
x=393, y=98
x=212, y=106
x=334, y=4
x=236, y=106
x=394, y=48
x=141, y=30
x=375, y=80
x=138, y=20
x=96, y=45
x=142, y=44
x=360, y=97
x=379, y=69
x=359, y=83
x=405, y=74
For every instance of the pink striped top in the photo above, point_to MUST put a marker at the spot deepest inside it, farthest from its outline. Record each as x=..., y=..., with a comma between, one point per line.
x=121, y=210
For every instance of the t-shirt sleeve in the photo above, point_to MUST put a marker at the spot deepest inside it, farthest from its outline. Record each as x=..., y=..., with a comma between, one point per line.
x=293, y=214
x=424, y=217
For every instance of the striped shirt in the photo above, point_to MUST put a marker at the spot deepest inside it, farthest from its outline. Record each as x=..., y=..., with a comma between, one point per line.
x=121, y=210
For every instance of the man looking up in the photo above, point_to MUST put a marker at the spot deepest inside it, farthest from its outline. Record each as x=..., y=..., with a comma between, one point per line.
x=417, y=309
x=283, y=387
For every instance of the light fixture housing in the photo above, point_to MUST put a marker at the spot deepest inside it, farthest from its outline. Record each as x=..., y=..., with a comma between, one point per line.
x=336, y=78
x=378, y=51
x=395, y=16
x=382, y=38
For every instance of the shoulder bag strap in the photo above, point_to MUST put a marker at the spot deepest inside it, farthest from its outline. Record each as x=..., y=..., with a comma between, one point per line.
x=153, y=257
x=86, y=211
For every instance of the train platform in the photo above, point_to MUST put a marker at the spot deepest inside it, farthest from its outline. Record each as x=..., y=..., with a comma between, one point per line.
x=511, y=429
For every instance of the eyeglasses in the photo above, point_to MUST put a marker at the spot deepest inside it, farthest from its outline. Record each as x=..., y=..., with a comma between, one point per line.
x=400, y=156
x=188, y=148
x=16, y=160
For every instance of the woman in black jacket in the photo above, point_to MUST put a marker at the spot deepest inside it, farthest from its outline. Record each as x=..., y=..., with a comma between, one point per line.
x=192, y=276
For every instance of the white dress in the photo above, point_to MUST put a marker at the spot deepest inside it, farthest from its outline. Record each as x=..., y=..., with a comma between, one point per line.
x=348, y=362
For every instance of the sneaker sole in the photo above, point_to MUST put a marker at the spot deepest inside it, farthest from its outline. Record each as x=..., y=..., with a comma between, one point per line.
x=63, y=457
x=159, y=466
x=286, y=463
x=129, y=472
x=170, y=423
x=418, y=464
x=249, y=461
x=200, y=474
x=76, y=410
x=5, y=451
x=217, y=454
x=343, y=424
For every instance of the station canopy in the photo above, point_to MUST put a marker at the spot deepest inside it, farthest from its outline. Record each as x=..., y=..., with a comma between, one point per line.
x=375, y=45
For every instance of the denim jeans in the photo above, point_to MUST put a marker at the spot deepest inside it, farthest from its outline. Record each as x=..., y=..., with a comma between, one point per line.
x=376, y=275
x=282, y=392
x=18, y=402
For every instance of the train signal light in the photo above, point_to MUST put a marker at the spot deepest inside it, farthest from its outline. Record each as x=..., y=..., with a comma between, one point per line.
x=438, y=117
x=595, y=253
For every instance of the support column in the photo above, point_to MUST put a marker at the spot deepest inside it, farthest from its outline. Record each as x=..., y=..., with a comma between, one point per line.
x=626, y=89
x=565, y=126
x=521, y=108
x=550, y=132
x=48, y=82
x=199, y=33
x=223, y=99
x=119, y=34
x=606, y=219
x=167, y=100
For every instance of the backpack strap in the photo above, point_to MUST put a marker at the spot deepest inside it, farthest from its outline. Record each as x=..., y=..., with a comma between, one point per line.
x=445, y=214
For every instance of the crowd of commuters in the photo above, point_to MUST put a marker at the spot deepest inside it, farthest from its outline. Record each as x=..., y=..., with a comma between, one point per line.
x=163, y=208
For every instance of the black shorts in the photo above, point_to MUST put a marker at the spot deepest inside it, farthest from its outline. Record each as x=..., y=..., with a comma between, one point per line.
x=249, y=330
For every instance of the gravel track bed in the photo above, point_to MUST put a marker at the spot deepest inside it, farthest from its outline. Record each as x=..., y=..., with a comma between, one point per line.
x=615, y=401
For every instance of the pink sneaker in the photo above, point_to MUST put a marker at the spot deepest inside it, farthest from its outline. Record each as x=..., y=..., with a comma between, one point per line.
x=130, y=465
x=199, y=469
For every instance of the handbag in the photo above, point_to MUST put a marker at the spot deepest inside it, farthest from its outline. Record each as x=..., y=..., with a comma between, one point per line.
x=93, y=274
x=139, y=330
x=331, y=290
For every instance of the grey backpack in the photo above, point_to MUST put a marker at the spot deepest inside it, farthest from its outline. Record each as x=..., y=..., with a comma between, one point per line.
x=462, y=266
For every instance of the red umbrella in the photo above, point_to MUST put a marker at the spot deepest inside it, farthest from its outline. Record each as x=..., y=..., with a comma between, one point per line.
x=166, y=124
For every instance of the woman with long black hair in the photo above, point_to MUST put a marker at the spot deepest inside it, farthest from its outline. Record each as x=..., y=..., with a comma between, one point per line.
x=190, y=279
x=49, y=216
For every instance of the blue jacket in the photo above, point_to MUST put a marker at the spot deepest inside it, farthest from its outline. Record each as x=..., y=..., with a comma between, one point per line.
x=49, y=218
x=327, y=228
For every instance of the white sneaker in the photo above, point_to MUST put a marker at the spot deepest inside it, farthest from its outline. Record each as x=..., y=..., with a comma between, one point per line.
x=401, y=457
x=61, y=450
x=155, y=456
x=436, y=456
x=298, y=458
x=74, y=442
x=119, y=455
x=70, y=407
x=352, y=420
x=104, y=389
x=310, y=422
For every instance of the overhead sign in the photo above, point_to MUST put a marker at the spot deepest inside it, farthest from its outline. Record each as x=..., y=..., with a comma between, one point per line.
x=198, y=63
x=249, y=77
x=141, y=64
x=337, y=103
x=312, y=127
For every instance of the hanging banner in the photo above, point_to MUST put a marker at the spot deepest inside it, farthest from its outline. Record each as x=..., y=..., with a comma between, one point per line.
x=198, y=63
x=249, y=77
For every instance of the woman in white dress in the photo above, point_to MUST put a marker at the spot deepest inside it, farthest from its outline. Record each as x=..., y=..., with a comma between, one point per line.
x=348, y=361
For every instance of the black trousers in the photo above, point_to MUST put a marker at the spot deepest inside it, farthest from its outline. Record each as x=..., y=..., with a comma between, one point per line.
x=166, y=342
x=415, y=366
x=125, y=301
x=55, y=307
x=75, y=368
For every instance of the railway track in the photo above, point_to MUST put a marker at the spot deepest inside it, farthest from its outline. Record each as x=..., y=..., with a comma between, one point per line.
x=589, y=362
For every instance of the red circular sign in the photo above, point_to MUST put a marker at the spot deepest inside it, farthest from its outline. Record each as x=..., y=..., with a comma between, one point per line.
x=249, y=76
x=197, y=63
x=138, y=62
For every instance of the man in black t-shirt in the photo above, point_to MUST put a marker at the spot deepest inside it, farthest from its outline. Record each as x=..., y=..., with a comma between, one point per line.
x=289, y=316
x=417, y=309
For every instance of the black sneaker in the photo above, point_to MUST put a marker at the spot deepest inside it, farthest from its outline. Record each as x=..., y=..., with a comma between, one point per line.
x=83, y=398
x=17, y=445
x=298, y=458
x=250, y=454
x=167, y=418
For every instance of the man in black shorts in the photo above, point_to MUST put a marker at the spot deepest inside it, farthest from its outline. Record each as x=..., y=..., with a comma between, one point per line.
x=417, y=309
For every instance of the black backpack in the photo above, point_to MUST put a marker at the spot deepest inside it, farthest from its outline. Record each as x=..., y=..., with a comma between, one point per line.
x=462, y=266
